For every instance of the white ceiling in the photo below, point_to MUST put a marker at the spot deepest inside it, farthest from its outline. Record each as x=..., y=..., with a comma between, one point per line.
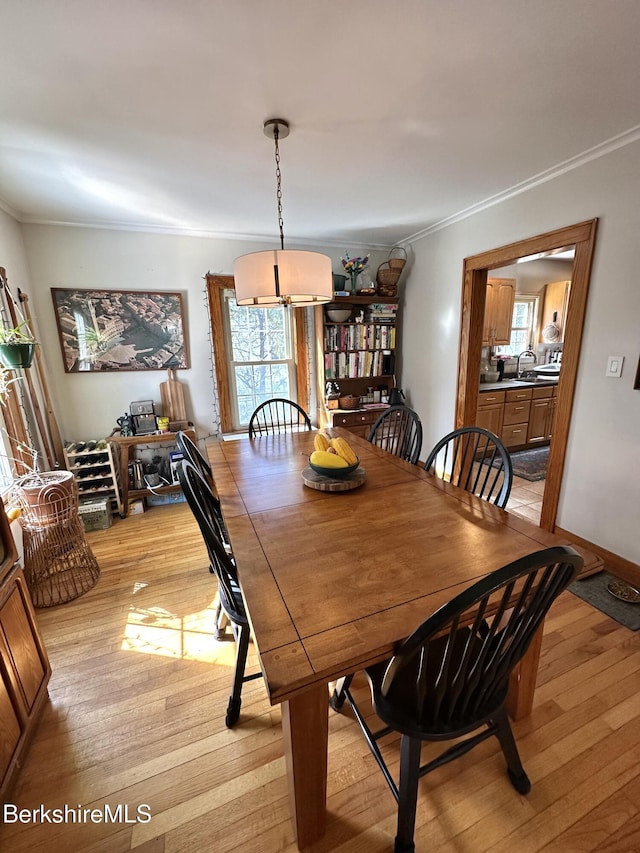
x=148, y=113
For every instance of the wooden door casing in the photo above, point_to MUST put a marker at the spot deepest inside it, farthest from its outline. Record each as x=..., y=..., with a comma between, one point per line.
x=582, y=236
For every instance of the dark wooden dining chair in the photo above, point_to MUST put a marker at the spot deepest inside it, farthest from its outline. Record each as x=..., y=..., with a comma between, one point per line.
x=399, y=431
x=450, y=678
x=476, y=460
x=278, y=416
x=191, y=452
x=201, y=502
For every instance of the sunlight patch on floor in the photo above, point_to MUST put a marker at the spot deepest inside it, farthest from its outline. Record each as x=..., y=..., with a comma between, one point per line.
x=154, y=630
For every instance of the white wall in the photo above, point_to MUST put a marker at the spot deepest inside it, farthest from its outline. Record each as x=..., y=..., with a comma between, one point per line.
x=600, y=497
x=88, y=404
x=12, y=254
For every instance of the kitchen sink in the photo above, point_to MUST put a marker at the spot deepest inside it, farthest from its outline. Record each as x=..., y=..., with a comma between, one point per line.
x=547, y=369
x=537, y=380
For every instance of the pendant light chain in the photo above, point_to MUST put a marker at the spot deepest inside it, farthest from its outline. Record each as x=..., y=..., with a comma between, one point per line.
x=279, y=187
x=279, y=276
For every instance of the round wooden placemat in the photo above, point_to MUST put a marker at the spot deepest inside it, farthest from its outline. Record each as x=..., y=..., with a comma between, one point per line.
x=333, y=484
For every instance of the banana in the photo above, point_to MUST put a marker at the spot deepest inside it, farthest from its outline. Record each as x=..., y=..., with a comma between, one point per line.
x=320, y=441
x=344, y=450
x=323, y=459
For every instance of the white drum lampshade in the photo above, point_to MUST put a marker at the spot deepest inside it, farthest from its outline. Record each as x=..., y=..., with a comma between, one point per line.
x=283, y=277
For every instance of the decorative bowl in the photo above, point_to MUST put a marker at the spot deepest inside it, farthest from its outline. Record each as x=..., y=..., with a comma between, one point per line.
x=339, y=315
x=334, y=472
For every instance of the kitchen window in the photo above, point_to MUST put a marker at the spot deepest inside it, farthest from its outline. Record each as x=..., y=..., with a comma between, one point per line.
x=524, y=324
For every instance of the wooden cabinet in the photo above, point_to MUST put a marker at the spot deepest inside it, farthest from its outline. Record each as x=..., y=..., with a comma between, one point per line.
x=358, y=422
x=491, y=411
x=24, y=675
x=520, y=416
x=516, y=417
x=543, y=407
x=498, y=312
x=356, y=355
x=554, y=309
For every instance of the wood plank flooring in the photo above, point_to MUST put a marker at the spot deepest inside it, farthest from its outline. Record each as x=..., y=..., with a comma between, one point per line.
x=138, y=696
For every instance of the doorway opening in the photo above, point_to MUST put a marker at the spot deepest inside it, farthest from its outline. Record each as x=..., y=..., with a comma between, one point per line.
x=472, y=332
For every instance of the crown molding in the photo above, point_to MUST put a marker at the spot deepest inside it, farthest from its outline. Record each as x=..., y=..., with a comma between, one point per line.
x=601, y=150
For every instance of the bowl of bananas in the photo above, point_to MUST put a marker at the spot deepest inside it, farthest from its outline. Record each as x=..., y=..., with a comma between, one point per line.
x=332, y=457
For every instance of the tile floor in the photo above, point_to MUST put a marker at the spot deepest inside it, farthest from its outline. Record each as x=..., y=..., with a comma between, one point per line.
x=526, y=499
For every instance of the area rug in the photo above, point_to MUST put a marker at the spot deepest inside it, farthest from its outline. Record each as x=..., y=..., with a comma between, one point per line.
x=594, y=591
x=530, y=464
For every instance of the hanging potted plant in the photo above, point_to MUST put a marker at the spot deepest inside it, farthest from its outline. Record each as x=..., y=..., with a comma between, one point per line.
x=17, y=346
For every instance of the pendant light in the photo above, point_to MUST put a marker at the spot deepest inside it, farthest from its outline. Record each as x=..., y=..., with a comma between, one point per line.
x=282, y=276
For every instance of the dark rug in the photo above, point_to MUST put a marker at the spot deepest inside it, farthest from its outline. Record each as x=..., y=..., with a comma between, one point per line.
x=530, y=464
x=594, y=591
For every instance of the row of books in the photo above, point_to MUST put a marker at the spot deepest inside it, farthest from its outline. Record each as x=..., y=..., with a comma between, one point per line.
x=382, y=312
x=359, y=364
x=359, y=336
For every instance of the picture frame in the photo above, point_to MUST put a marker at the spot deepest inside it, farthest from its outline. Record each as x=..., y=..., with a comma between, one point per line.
x=104, y=331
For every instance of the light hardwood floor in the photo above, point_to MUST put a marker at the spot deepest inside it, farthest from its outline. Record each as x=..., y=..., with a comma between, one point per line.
x=138, y=695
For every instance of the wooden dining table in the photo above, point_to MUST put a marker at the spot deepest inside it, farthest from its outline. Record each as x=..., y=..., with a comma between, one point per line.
x=332, y=581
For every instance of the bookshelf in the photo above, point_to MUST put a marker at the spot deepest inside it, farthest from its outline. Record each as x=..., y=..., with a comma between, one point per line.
x=358, y=355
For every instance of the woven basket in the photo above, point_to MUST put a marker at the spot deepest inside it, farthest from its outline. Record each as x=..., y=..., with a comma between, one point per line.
x=349, y=402
x=397, y=263
x=387, y=280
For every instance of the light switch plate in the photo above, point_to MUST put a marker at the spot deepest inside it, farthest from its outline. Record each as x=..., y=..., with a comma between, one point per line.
x=614, y=366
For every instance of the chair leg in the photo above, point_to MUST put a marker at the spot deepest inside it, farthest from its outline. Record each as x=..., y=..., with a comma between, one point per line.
x=408, y=793
x=339, y=694
x=517, y=775
x=235, y=700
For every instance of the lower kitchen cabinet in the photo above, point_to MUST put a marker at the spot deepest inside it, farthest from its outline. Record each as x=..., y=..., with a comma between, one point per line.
x=520, y=417
x=543, y=408
x=491, y=411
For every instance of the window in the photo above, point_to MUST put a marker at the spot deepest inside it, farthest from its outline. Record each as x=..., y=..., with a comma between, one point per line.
x=523, y=326
x=265, y=355
x=260, y=357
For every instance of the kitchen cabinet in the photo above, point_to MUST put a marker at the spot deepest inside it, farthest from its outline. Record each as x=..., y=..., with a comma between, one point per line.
x=24, y=675
x=521, y=416
x=554, y=309
x=498, y=312
x=543, y=407
x=490, y=411
x=356, y=355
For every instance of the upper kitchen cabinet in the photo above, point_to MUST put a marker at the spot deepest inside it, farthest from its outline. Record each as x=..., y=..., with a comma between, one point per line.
x=498, y=312
x=554, y=311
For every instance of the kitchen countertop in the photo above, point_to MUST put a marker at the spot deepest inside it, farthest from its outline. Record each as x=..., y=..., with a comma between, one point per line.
x=510, y=384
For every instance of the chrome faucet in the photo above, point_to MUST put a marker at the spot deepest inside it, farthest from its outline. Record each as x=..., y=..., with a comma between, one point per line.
x=524, y=352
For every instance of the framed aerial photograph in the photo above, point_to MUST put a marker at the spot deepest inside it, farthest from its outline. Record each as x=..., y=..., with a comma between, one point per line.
x=113, y=330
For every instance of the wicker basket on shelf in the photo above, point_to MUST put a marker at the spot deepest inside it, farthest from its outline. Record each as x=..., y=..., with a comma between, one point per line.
x=349, y=402
x=387, y=280
x=395, y=262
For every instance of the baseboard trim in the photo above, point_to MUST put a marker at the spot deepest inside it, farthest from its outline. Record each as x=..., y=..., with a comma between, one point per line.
x=619, y=566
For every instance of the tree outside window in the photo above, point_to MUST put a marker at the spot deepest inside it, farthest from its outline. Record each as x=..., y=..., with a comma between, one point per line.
x=260, y=355
x=523, y=326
